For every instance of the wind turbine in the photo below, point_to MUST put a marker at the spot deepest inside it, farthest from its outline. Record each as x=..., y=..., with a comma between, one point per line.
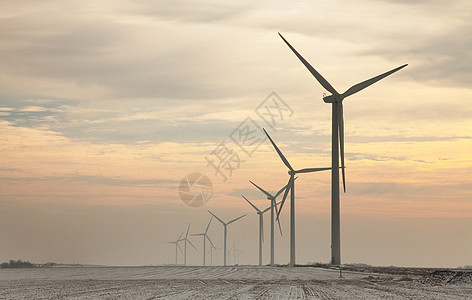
x=185, y=244
x=225, y=225
x=236, y=252
x=273, y=205
x=176, y=242
x=337, y=144
x=205, y=237
x=291, y=187
x=261, y=226
x=210, y=252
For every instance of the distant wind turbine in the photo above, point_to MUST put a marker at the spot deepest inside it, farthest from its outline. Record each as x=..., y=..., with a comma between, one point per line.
x=235, y=252
x=210, y=252
x=225, y=225
x=176, y=242
x=337, y=141
x=291, y=187
x=272, y=216
x=185, y=239
x=205, y=237
x=261, y=226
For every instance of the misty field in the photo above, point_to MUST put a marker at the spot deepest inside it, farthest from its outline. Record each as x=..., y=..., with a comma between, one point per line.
x=232, y=282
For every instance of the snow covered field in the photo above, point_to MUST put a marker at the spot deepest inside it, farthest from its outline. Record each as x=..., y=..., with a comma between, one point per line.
x=239, y=282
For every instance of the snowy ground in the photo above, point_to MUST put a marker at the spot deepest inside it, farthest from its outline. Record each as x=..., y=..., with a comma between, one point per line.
x=240, y=282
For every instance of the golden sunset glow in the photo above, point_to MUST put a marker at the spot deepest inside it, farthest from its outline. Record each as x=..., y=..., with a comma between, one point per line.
x=105, y=107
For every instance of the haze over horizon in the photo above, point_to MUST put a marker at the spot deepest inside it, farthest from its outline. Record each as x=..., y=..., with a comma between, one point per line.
x=105, y=107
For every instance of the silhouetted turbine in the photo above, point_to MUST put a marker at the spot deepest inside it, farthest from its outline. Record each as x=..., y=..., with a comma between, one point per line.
x=205, y=237
x=185, y=245
x=291, y=187
x=210, y=252
x=225, y=230
x=261, y=226
x=236, y=252
x=176, y=242
x=272, y=216
x=337, y=131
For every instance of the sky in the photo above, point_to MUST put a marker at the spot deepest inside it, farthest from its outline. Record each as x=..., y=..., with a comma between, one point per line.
x=105, y=107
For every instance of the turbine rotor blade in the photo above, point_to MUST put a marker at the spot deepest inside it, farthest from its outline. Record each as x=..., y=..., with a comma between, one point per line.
x=216, y=217
x=280, y=227
x=309, y=170
x=276, y=209
x=285, y=196
x=341, y=140
x=178, y=246
x=191, y=244
x=278, y=220
x=267, y=209
x=312, y=70
x=234, y=220
x=257, y=209
x=285, y=161
x=208, y=237
x=208, y=226
x=362, y=85
x=261, y=189
x=188, y=228
x=282, y=189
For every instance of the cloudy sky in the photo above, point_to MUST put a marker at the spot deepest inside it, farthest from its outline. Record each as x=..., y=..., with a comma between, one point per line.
x=105, y=107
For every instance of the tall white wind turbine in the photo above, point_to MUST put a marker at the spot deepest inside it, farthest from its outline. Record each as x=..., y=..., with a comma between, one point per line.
x=205, y=237
x=337, y=144
x=261, y=226
x=291, y=188
x=225, y=225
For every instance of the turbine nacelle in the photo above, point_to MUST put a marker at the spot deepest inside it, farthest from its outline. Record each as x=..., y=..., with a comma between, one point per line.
x=332, y=98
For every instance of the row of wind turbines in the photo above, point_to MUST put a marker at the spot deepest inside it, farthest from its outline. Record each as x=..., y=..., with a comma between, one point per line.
x=205, y=237
x=337, y=153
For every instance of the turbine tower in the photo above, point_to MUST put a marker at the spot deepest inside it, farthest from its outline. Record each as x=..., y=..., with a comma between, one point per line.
x=272, y=216
x=235, y=252
x=210, y=252
x=337, y=144
x=205, y=237
x=225, y=225
x=261, y=226
x=291, y=188
x=176, y=242
x=185, y=239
